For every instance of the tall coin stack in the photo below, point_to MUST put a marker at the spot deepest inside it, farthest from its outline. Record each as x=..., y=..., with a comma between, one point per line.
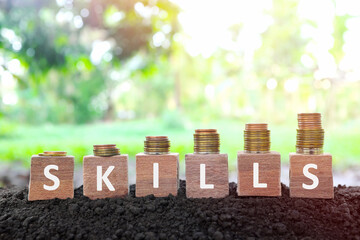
x=206, y=141
x=53, y=154
x=156, y=145
x=310, y=135
x=257, y=138
x=106, y=150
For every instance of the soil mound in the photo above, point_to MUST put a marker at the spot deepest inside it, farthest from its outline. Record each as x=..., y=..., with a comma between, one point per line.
x=172, y=217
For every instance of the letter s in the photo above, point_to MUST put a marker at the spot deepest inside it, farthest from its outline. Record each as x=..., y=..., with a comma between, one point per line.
x=52, y=177
x=313, y=177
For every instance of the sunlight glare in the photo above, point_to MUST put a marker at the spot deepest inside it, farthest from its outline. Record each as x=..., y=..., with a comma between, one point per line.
x=210, y=30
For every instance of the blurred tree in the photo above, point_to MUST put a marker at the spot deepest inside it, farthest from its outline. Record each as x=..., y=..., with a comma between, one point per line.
x=73, y=53
x=83, y=60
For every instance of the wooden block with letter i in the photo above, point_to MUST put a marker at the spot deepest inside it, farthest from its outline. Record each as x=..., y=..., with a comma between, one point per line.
x=259, y=174
x=311, y=176
x=157, y=174
x=207, y=175
x=105, y=177
x=51, y=177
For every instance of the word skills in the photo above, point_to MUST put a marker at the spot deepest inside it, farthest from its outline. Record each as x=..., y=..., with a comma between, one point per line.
x=105, y=174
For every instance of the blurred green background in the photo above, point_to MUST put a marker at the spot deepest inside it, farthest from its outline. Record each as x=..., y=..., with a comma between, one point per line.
x=78, y=73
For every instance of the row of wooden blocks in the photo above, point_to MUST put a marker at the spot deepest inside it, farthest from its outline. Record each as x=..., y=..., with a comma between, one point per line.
x=206, y=175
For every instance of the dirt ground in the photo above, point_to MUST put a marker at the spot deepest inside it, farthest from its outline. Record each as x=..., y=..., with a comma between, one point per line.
x=178, y=217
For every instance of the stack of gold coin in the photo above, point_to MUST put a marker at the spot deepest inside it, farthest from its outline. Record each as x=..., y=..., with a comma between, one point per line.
x=156, y=145
x=106, y=150
x=206, y=141
x=310, y=135
x=257, y=138
x=53, y=154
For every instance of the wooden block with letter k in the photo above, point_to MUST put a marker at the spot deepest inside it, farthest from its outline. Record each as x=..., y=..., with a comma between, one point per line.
x=105, y=177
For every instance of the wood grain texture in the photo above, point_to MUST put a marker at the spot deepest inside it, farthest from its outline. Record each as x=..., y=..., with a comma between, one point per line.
x=38, y=179
x=118, y=177
x=269, y=173
x=168, y=174
x=216, y=173
x=325, y=189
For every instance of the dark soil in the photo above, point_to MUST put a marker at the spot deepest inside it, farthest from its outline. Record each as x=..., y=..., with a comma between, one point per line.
x=181, y=218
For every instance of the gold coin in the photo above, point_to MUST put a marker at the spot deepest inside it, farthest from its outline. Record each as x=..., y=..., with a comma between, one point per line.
x=54, y=152
x=97, y=153
x=104, y=149
x=154, y=148
x=51, y=155
x=156, y=145
x=206, y=141
x=310, y=135
x=256, y=126
x=205, y=130
x=156, y=138
x=256, y=138
x=156, y=153
x=105, y=145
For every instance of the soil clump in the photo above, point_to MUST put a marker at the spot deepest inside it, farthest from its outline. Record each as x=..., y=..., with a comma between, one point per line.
x=178, y=217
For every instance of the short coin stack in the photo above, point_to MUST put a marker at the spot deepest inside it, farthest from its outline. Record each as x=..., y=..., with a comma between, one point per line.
x=53, y=154
x=257, y=138
x=106, y=150
x=206, y=141
x=310, y=135
x=156, y=145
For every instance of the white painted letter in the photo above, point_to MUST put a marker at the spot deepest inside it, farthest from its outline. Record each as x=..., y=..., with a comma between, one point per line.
x=156, y=175
x=256, y=177
x=311, y=176
x=104, y=178
x=54, y=178
x=203, y=184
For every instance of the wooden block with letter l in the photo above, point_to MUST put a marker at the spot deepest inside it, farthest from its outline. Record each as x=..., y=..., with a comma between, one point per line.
x=157, y=174
x=51, y=177
x=105, y=177
x=207, y=175
x=259, y=174
x=311, y=176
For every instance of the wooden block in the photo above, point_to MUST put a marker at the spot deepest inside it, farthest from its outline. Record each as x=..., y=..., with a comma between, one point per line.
x=105, y=177
x=167, y=166
x=213, y=181
x=306, y=186
x=267, y=169
x=51, y=177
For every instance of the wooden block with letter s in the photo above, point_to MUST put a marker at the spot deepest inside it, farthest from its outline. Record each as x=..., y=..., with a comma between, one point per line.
x=157, y=174
x=311, y=176
x=105, y=177
x=207, y=175
x=51, y=177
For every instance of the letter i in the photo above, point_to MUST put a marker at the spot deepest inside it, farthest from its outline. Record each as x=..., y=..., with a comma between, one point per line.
x=156, y=175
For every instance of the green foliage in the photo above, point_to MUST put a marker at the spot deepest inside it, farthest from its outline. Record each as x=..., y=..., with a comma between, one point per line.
x=7, y=128
x=339, y=31
x=64, y=81
x=65, y=78
x=173, y=120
